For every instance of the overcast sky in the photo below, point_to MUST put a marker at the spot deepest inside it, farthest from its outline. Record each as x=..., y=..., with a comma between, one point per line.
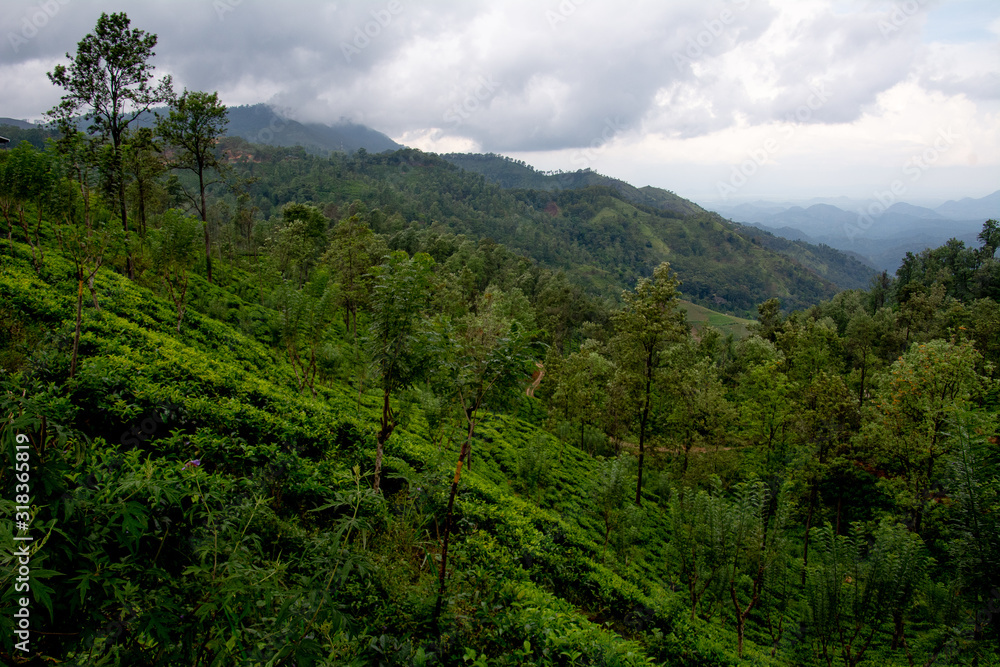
x=714, y=99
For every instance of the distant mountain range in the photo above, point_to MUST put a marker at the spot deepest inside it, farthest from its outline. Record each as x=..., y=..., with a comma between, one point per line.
x=261, y=124
x=19, y=124
x=881, y=236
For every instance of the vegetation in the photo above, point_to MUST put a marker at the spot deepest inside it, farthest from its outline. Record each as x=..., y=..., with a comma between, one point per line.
x=276, y=467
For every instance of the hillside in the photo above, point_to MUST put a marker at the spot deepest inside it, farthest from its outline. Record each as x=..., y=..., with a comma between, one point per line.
x=844, y=271
x=515, y=174
x=245, y=485
x=597, y=236
x=371, y=440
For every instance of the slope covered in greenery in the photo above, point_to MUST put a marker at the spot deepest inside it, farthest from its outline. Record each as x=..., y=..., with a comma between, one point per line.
x=515, y=174
x=202, y=467
x=601, y=240
x=187, y=489
x=375, y=410
x=841, y=269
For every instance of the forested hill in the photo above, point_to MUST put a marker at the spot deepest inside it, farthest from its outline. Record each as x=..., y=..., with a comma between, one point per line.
x=603, y=241
x=509, y=173
x=257, y=123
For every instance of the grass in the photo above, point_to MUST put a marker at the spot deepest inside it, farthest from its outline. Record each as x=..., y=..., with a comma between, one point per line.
x=699, y=317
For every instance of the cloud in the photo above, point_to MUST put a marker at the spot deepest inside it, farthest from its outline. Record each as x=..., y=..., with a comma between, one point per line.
x=564, y=76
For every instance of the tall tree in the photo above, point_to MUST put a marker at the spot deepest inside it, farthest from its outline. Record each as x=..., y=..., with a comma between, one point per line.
x=174, y=252
x=196, y=122
x=396, y=344
x=353, y=252
x=696, y=411
x=650, y=319
x=305, y=314
x=489, y=361
x=758, y=556
x=582, y=384
x=111, y=79
x=853, y=588
x=913, y=413
x=27, y=178
x=144, y=166
x=84, y=234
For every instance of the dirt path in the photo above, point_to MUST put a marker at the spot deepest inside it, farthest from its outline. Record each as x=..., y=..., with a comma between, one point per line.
x=536, y=379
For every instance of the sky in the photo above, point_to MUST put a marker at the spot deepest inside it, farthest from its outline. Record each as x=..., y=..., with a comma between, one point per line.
x=720, y=101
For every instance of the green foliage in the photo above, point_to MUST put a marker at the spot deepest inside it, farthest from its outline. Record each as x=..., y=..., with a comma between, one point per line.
x=650, y=319
x=194, y=505
x=174, y=252
x=852, y=589
x=973, y=482
x=610, y=497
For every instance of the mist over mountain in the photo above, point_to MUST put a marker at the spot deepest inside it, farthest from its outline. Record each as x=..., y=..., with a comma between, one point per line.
x=262, y=124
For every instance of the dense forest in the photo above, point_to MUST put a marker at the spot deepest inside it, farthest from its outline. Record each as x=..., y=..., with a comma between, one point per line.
x=261, y=407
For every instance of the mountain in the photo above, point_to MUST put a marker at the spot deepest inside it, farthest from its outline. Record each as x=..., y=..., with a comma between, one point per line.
x=902, y=208
x=19, y=124
x=509, y=174
x=880, y=240
x=603, y=241
x=21, y=130
x=986, y=208
x=847, y=270
x=261, y=124
x=844, y=270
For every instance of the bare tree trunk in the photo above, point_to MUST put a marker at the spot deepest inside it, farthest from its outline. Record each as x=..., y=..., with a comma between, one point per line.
x=383, y=435
x=79, y=318
x=447, y=525
x=204, y=219
x=642, y=426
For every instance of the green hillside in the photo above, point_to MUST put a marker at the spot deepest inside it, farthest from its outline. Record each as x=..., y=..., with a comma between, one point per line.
x=600, y=239
x=378, y=411
x=515, y=174
x=700, y=317
x=841, y=269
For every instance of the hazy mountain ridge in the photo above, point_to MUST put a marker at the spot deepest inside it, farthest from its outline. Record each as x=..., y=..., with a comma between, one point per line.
x=262, y=124
x=882, y=240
